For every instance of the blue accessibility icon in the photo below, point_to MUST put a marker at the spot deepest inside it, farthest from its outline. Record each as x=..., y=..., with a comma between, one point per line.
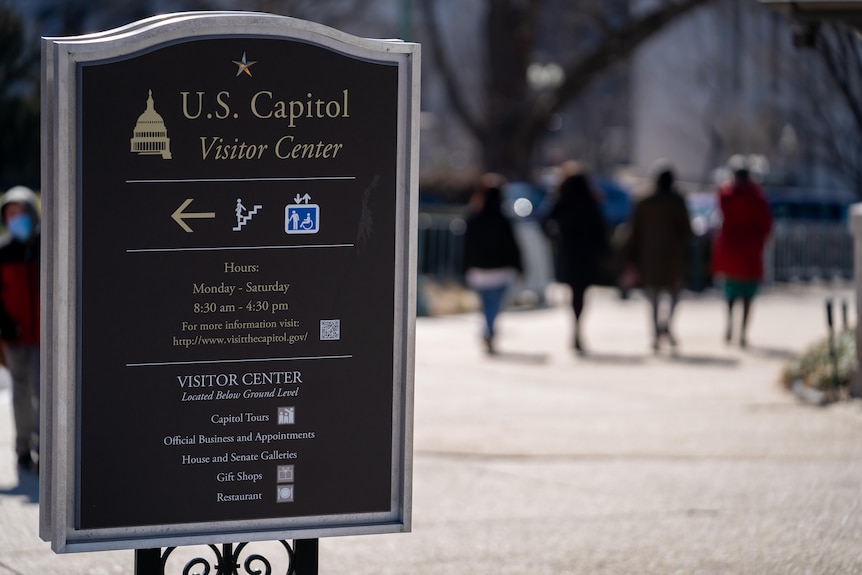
x=302, y=219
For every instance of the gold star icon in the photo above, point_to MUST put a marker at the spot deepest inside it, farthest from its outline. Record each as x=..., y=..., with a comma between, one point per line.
x=244, y=65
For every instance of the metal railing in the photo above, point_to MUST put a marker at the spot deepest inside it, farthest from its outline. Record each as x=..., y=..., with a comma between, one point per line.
x=441, y=246
x=806, y=251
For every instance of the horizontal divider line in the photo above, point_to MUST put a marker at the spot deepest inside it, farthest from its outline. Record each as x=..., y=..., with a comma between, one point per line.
x=228, y=180
x=226, y=248
x=257, y=360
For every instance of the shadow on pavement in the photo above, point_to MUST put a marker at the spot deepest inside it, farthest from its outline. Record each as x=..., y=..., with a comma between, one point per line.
x=612, y=358
x=28, y=486
x=693, y=359
x=534, y=358
x=771, y=352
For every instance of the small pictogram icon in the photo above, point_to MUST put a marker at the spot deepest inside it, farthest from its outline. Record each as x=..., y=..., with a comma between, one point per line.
x=301, y=217
x=284, y=494
x=180, y=215
x=285, y=474
x=244, y=215
x=286, y=415
x=150, y=136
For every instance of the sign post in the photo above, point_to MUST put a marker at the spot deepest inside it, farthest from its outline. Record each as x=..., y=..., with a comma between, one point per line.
x=230, y=283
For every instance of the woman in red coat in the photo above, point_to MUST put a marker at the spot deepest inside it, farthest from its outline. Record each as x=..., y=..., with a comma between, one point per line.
x=738, y=246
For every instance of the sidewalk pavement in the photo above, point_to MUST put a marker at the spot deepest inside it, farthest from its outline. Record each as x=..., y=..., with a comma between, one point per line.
x=539, y=461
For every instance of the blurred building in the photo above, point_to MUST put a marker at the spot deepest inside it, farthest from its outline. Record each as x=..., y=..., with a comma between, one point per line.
x=732, y=78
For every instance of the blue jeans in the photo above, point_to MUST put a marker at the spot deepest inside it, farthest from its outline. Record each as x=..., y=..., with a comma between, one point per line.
x=492, y=301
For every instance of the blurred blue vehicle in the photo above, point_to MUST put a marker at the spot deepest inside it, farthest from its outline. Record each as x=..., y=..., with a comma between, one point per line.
x=809, y=205
x=527, y=204
x=616, y=202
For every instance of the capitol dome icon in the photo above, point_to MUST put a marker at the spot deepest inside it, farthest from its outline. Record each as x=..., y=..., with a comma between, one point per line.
x=151, y=136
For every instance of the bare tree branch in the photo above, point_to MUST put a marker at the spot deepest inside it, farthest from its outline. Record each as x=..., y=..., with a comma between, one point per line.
x=838, y=49
x=594, y=11
x=616, y=48
x=841, y=52
x=447, y=73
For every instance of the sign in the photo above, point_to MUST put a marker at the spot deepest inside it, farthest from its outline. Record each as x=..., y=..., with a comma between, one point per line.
x=231, y=282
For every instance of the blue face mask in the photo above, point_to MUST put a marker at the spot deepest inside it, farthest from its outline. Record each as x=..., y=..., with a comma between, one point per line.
x=21, y=227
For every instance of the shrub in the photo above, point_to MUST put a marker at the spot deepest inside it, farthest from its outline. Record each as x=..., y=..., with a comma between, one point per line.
x=822, y=369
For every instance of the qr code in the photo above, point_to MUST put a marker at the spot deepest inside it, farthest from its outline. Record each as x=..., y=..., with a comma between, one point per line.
x=330, y=329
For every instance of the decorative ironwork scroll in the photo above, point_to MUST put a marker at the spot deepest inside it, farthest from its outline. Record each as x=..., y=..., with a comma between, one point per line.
x=230, y=559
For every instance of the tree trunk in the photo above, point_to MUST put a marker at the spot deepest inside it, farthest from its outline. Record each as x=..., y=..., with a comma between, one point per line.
x=510, y=28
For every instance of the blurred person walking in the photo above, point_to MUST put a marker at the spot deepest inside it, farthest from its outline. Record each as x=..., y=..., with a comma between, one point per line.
x=19, y=315
x=738, y=245
x=658, y=248
x=492, y=258
x=577, y=225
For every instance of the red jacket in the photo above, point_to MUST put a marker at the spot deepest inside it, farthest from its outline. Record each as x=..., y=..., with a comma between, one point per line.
x=746, y=224
x=19, y=292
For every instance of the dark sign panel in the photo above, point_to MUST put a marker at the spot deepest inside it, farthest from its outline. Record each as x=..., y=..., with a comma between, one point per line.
x=242, y=251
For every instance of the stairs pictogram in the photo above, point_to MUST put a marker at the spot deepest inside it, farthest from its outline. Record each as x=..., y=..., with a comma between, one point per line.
x=242, y=219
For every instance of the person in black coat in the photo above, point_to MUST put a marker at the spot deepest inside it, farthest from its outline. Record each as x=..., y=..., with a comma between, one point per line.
x=492, y=258
x=577, y=226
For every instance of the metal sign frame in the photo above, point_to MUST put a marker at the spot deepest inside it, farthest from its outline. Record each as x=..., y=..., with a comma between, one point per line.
x=62, y=59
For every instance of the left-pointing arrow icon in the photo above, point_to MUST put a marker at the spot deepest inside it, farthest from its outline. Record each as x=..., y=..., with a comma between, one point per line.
x=179, y=215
